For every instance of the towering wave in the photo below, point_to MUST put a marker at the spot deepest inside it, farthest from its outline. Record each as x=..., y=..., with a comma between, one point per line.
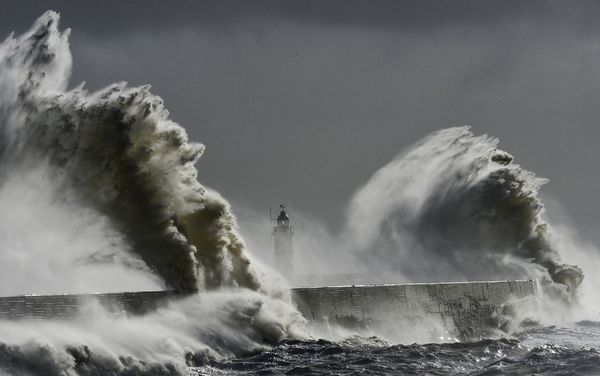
x=455, y=206
x=117, y=153
x=99, y=192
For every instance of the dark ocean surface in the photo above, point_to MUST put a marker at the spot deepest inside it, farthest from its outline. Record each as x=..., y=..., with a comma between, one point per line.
x=555, y=350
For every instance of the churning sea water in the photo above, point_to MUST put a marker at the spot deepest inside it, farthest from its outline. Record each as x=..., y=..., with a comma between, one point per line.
x=565, y=350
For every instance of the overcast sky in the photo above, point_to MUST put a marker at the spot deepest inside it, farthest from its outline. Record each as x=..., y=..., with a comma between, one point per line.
x=301, y=101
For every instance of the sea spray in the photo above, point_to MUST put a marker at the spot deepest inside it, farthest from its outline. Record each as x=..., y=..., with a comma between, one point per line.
x=50, y=243
x=188, y=332
x=456, y=207
x=100, y=193
x=117, y=153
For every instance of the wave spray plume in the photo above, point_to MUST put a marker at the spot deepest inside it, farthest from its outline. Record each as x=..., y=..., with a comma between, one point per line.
x=100, y=193
x=116, y=152
x=455, y=206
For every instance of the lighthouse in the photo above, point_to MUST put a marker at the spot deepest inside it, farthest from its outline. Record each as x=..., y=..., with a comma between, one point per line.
x=283, y=234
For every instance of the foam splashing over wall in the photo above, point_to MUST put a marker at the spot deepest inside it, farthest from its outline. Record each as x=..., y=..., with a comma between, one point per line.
x=456, y=207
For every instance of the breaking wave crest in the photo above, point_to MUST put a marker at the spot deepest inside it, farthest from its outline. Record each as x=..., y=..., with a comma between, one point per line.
x=455, y=206
x=116, y=152
x=100, y=193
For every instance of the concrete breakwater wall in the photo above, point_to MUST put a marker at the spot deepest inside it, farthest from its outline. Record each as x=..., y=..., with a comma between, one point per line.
x=47, y=307
x=462, y=310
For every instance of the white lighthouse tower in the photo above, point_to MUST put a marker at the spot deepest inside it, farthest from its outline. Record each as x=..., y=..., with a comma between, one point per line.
x=283, y=234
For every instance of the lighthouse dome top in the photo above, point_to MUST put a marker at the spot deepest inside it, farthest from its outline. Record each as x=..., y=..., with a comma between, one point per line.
x=283, y=215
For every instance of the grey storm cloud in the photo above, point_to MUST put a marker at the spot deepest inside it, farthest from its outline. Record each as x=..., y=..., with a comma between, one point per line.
x=113, y=17
x=301, y=101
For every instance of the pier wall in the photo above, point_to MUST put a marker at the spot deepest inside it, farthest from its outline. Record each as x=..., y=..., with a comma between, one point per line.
x=458, y=310
x=462, y=310
x=43, y=307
